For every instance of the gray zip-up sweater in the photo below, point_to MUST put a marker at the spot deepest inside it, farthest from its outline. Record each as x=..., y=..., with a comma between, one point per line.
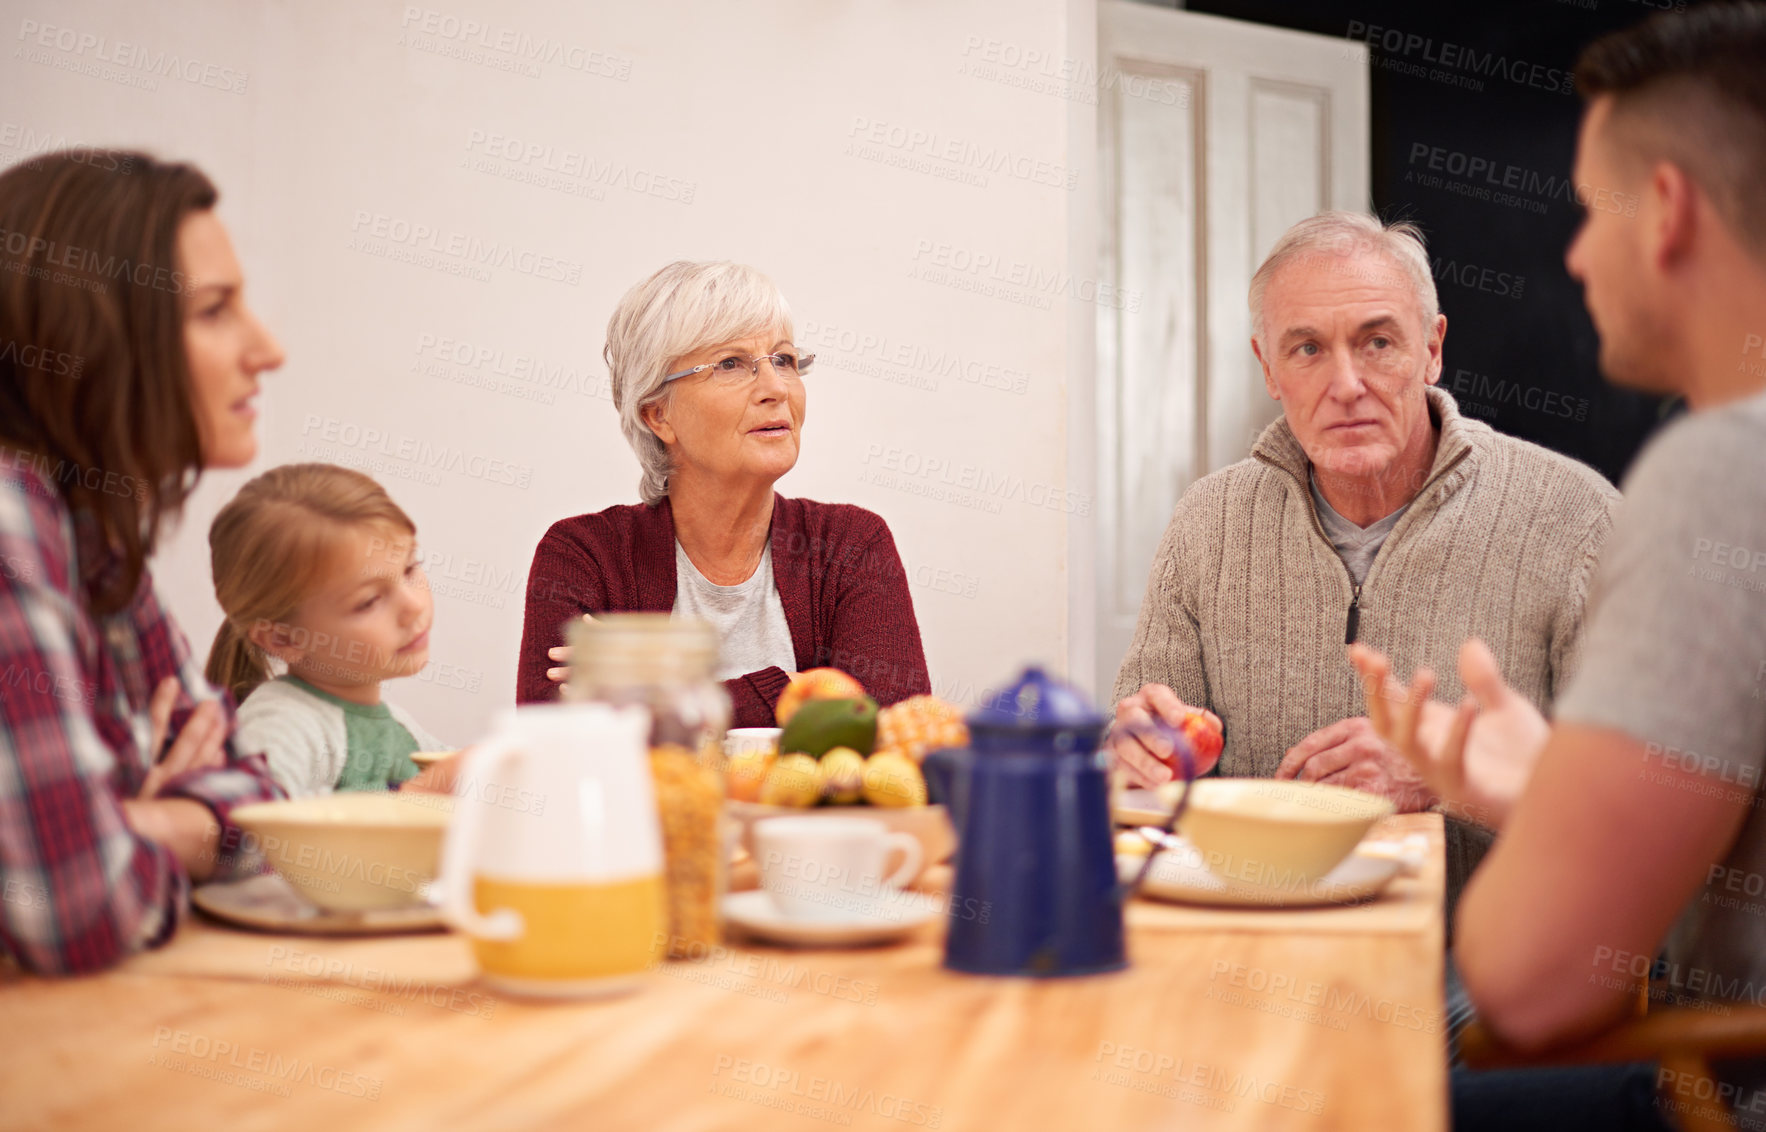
x=1247, y=603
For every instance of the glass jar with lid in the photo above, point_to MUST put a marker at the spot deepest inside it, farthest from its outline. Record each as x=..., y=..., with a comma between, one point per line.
x=666, y=664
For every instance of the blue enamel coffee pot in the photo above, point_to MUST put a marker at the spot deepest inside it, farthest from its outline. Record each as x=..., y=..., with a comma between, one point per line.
x=1036, y=890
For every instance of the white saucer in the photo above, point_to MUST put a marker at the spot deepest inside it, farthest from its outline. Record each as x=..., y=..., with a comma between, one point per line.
x=1139, y=806
x=427, y=759
x=1180, y=875
x=268, y=903
x=893, y=917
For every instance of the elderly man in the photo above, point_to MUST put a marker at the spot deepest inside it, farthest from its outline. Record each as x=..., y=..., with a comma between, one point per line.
x=1371, y=511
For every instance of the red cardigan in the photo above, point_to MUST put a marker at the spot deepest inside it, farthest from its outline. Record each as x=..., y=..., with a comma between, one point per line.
x=835, y=566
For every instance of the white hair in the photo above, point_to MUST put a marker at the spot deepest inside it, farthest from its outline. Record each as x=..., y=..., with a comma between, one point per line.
x=1340, y=235
x=683, y=308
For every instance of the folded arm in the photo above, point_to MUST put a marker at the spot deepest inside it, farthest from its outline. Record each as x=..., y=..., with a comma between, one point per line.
x=90, y=872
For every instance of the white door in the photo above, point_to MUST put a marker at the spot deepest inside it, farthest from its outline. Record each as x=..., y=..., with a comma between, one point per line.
x=1214, y=137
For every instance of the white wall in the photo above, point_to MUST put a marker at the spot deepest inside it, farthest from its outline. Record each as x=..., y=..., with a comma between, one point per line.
x=754, y=110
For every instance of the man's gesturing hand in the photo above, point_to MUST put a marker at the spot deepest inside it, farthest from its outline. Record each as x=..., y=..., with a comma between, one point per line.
x=1479, y=760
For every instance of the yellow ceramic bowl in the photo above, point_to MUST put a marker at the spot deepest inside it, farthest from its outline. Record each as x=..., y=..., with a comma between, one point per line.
x=352, y=852
x=1275, y=835
x=930, y=825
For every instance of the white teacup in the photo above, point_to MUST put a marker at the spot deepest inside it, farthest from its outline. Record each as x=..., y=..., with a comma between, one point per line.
x=831, y=867
x=751, y=740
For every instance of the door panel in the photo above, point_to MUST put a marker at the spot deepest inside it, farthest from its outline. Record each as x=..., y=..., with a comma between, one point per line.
x=1271, y=126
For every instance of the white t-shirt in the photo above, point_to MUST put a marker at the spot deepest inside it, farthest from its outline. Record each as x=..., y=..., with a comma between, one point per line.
x=749, y=617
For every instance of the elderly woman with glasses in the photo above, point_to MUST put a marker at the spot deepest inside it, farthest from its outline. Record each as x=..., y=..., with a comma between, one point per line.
x=710, y=393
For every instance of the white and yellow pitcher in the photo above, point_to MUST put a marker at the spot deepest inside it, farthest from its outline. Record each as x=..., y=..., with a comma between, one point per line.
x=553, y=863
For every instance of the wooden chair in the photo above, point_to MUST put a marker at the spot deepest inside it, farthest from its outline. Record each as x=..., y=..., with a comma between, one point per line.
x=1682, y=1040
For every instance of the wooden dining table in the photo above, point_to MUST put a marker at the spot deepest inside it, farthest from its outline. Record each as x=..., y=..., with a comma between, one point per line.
x=1255, y=1018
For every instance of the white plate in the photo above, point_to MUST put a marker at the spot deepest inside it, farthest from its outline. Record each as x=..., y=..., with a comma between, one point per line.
x=754, y=912
x=1180, y=875
x=1139, y=806
x=268, y=903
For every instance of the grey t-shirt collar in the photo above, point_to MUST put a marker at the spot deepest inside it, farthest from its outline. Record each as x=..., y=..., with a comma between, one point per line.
x=1356, y=546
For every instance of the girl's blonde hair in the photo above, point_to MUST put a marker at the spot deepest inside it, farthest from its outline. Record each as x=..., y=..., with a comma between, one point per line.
x=272, y=545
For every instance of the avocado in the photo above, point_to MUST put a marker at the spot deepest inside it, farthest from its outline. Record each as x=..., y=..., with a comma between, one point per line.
x=821, y=725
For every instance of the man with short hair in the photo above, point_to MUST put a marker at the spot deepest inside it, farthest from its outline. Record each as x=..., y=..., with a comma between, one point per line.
x=1371, y=511
x=1641, y=826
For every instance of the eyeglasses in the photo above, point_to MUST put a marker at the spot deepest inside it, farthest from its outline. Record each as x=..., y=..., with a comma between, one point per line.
x=735, y=370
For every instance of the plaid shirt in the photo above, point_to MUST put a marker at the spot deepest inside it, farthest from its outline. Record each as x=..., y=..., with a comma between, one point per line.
x=79, y=889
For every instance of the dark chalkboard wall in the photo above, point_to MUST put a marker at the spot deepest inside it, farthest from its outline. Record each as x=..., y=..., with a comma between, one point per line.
x=1474, y=131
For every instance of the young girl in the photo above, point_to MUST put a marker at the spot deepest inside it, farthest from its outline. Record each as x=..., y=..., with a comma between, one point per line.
x=316, y=566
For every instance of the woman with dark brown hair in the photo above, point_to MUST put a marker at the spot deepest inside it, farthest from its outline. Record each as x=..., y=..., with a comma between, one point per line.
x=128, y=364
